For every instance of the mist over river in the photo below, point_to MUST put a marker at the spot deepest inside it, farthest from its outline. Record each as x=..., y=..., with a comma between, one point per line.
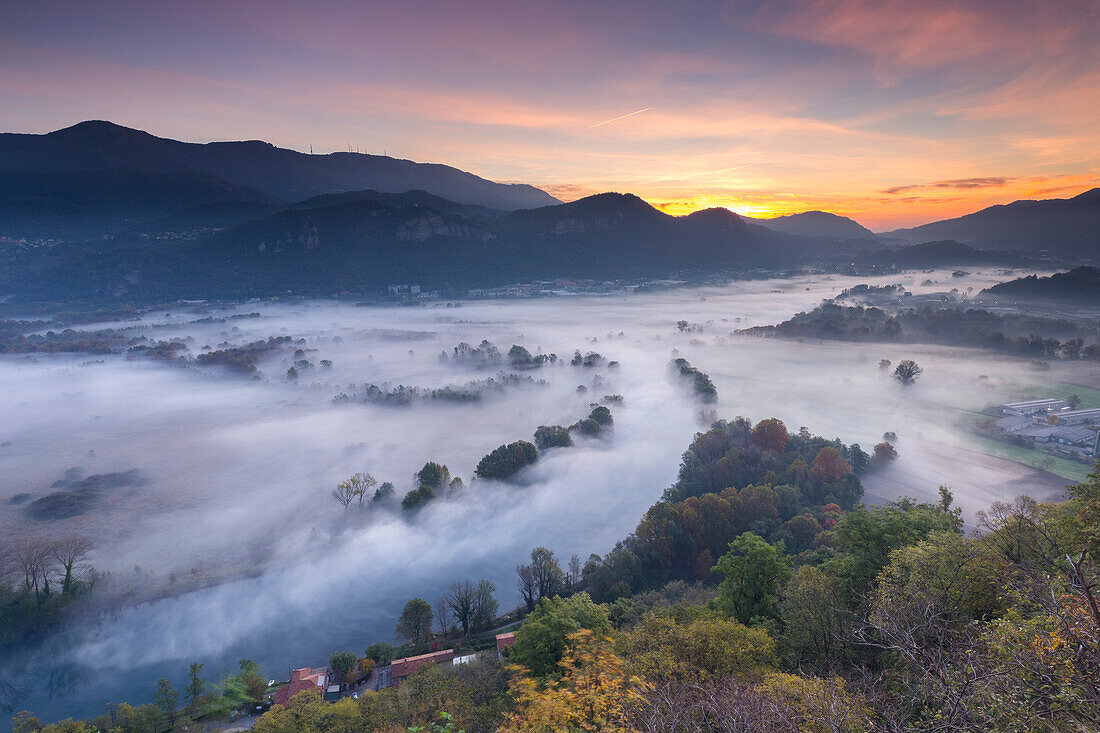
x=237, y=472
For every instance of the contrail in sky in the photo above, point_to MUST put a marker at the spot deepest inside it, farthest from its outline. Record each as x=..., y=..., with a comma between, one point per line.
x=616, y=119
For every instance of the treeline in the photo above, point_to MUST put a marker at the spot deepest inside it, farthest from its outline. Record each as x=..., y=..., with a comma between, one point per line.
x=1020, y=335
x=500, y=464
x=474, y=390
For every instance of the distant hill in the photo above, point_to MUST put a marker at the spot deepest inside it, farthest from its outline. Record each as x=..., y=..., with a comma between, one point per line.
x=363, y=241
x=1079, y=285
x=936, y=254
x=816, y=224
x=45, y=178
x=91, y=203
x=1065, y=227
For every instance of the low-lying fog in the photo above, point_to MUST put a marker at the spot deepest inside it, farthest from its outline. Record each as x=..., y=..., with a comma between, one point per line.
x=238, y=472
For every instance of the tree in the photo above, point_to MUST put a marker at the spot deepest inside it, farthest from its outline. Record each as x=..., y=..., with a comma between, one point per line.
x=594, y=693
x=602, y=415
x=25, y=722
x=907, y=372
x=415, y=621
x=342, y=662
x=770, y=434
x=460, y=598
x=434, y=476
x=813, y=613
x=828, y=466
x=1074, y=401
x=485, y=605
x=552, y=436
x=506, y=460
x=344, y=493
x=883, y=364
x=32, y=557
x=884, y=453
x=417, y=498
x=541, y=639
x=69, y=551
x=528, y=586
x=383, y=492
x=752, y=572
x=195, y=685
x=867, y=536
x=666, y=646
x=547, y=573
x=254, y=685
x=357, y=486
x=443, y=614
x=380, y=652
x=166, y=697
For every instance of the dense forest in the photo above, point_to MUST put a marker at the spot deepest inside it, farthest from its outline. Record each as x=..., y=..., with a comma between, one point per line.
x=1022, y=335
x=1079, y=285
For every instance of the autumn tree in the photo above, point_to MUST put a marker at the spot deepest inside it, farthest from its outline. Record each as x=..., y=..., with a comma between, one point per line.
x=770, y=434
x=828, y=466
x=594, y=693
x=884, y=453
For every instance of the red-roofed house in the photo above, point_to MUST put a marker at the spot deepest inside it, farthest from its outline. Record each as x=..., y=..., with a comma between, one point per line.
x=402, y=668
x=504, y=641
x=301, y=680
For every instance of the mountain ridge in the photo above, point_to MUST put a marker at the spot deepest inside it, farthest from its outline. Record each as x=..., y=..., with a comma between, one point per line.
x=253, y=164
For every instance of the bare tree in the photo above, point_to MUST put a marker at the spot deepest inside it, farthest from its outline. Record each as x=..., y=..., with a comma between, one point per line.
x=461, y=599
x=528, y=586
x=32, y=558
x=574, y=570
x=443, y=614
x=70, y=551
x=485, y=605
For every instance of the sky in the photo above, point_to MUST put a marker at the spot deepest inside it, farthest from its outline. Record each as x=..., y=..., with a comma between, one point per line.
x=893, y=112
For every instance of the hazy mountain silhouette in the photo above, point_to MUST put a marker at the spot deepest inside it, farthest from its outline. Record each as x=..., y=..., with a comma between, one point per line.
x=816, y=224
x=948, y=253
x=1068, y=227
x=250, y=166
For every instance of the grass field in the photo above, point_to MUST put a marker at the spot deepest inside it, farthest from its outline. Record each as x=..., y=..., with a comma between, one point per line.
x=1090, y=397
x=1071, y=470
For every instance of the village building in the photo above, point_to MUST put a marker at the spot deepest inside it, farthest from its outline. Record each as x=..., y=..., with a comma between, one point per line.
x=401, y=669
x=1080, y=417
x=504, y=641
x=1014, y=423
x=305, y=678
x=1035, y=407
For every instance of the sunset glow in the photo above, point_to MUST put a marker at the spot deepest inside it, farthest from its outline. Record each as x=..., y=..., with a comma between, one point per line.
x=891, y=112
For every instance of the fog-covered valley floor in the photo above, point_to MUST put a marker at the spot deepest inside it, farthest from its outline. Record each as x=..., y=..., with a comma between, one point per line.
x=236, y=471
